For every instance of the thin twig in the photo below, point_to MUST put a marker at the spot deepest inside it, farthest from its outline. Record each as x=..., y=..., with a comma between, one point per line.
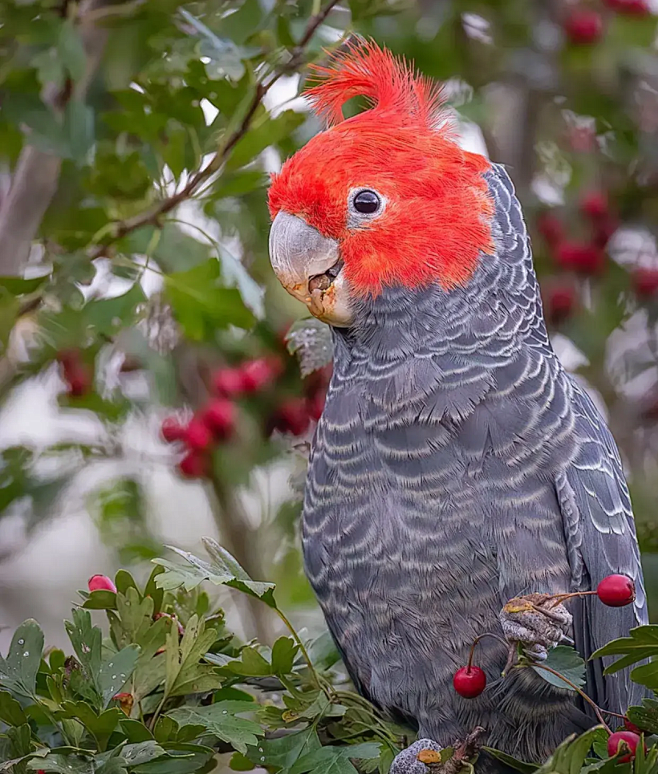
x=152, y=216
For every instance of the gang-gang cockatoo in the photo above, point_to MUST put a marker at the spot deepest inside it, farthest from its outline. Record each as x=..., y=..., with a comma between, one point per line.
x=456, y=464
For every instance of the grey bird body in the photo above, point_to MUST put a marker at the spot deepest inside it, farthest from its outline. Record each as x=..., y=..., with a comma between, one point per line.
x=457, y=465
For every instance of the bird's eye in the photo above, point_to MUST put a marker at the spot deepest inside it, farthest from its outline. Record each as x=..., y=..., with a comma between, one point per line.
x=366, y=202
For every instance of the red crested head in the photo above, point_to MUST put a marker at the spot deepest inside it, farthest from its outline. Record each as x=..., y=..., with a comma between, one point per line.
x=405, y=204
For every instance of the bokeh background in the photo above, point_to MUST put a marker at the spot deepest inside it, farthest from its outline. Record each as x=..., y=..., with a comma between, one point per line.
x=135, y=290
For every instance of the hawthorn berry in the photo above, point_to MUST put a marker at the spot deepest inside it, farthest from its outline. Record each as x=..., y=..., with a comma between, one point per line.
x=315, y=405
x=101, y=583
x=219, y=417
x=259, y=373
x=621, y=741
x=595, y=205
x=469, y=681
x=550, y=227
x=631, y=727
x=583, y=26
x=638, y=8
x=603, y=230
x=79, y=381
x=292, y=417
x=645, y=282
x=172, y=430
x=228, y=382
x=585, y=259
x=560, y=303
x=197, y=435
x=616, y=591
x=194, y=465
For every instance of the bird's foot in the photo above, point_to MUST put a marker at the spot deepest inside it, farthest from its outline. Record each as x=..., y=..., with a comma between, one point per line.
x=424, y=756
x=536, y=621
x=417, y=758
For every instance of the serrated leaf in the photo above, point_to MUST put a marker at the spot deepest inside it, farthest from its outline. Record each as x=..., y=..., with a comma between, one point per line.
x=71, y=50
x=57, y=763
x=513, y=763
x=642, y=644
x=335, y=760
x=568, y=663
x=116, y=671
x=284, y=652
x=222, y=720
x=86, y=640
x=18, y=672
x=310, y=340
x=223, y=571
x=282, y=753
x=11, y=711
x=569, y=757
x=646, y=716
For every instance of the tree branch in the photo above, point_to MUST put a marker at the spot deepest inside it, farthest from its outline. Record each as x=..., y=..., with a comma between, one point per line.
x=36, y=177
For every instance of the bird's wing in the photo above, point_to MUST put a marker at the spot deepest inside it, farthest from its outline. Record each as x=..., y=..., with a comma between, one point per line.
x=600, y=532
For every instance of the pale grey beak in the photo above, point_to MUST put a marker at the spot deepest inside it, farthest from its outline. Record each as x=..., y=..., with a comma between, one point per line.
x=308, y=265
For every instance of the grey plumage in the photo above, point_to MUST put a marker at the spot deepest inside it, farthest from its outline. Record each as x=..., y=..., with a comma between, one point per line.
x=457, y=465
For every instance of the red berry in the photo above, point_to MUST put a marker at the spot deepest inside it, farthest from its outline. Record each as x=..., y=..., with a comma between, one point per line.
x=583, y=26
x=645, y=281
x=257, y=374
x=631, y=727
x=219, y=417
x=550, y=227
x=194, y=465
x=101, y=583
x=585, y=259
x=630, y=7
x=292, y=417
x=197, y=435
x=79, y=382
x=315, y=405
x=595, y=205
x=623, y=741
x=68, y=358
x=228, y=382
x=469, y=682
x=561, y=302
x=616, y=591
x=604, y=229
x=172, y=430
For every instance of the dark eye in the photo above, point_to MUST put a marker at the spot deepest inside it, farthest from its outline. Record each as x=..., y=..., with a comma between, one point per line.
x=366, y=202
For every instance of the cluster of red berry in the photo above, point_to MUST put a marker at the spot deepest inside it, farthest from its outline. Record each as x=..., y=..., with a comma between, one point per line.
x=215, y=423
x=615, y=591
x=584, y=26
x=585, y=257
x=77, y=374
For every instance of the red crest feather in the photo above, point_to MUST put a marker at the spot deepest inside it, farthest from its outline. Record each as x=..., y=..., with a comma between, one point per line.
x=390, y=84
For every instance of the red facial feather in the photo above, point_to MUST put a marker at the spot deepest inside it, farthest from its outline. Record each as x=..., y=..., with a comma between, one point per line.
x=437, y=217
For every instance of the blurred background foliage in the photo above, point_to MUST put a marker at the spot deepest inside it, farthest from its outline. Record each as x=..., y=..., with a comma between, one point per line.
x=140, y=321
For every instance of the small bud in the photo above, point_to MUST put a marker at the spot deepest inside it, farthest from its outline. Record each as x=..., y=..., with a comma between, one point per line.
x=101, y=583
x=583, y=26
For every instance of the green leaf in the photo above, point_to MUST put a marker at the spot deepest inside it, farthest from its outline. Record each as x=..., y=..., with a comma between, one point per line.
x=221, y=720
x=567, y=662
x=137, y=754
x=335, y=760
x=183, y=671
x=201, y=305
x=9, y=309
x=116, y=671
x=102, y=599
x=79, y=129
x=283, y=753
x=223, y=571
x=250, y=664
x=513, y=763
x=176, y=250
x=18, y=286
x=58, y=763
x=11, y=711
x=646, y=716
x=86, y=640
x=642, y=644
x=180, y=758
x=18, y=672
x=269, y=132
x=284, y=652
x=569, y=757
x=71, y=50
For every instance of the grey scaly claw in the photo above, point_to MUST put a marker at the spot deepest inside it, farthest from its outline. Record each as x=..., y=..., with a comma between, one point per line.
x=407, y=761
x=537, y=623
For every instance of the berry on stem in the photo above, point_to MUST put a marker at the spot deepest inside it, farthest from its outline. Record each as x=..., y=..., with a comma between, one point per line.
x=594, y=205
x=583, y=26
x=292, y=417
x=259, y=373
x=101, y=583
x=616, y=591
x=194, y=465
x=585, y=259
x=228, y=382
x=645, y=281
x=622, y=741
x=197, y=436
x=172, y=430
x=219, y=417
x=469, y=681
x=561, y=302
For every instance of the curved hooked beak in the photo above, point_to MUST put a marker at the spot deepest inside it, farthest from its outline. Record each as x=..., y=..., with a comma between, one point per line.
x=308, y=266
